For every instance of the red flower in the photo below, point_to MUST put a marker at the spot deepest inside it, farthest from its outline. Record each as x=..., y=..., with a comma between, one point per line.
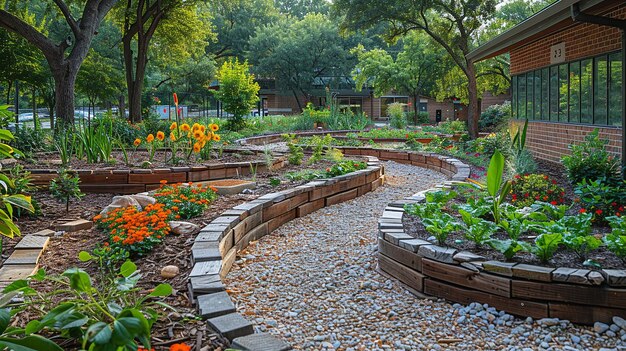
x=598, y=212
x=582, y=210
x=553, y=203
x=175, y=99
x=613, y=203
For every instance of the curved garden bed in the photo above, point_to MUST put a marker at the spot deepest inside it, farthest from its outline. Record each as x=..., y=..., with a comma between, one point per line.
x=578, y=295
x=137, y=180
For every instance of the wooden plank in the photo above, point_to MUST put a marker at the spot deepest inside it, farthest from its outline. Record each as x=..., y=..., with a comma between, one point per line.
x=469, y=279
x=578, y=294
x=178, y=177
x=280, y=220
x=398, y=254
x=466, y=296
x=413, y=279
x=532, y=272
x=585, y=314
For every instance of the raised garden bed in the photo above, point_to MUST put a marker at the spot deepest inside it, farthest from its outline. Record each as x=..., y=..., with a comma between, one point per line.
x=580, y=295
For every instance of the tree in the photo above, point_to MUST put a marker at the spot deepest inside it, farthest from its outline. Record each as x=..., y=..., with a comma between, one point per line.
x=296, y=52
x=98, y=79
x=413, y=72
x=64, y=66
x=300, y=8
x=235, y=22
x=238, y=91
x=450, y=23
x=141, y=20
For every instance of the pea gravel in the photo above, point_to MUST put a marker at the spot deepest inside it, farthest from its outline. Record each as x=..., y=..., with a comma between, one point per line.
x=314, y=283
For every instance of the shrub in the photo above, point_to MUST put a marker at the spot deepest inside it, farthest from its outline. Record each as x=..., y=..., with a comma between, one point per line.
x=523, y=162
x=601, y=199
x=29, y=140
x=495, y=117
x=616, y=240
x=64, y=188
x=238, y=91
x=452, y=127
x=526, y=189
x=122, y=129
x=590, y=160
x=396, y=115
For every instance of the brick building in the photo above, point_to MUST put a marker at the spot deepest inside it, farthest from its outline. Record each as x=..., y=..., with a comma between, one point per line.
x=567, y=73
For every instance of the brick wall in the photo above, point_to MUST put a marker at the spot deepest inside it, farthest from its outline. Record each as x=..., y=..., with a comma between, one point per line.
x=581, y=40
x=549, y=141
x=490, y=100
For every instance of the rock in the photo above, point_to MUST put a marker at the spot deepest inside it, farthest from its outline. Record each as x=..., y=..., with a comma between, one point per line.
x=595, y=277
x=169, y=271
x=125, y=201
x=600, y=327
x=144, y=200
x=108, y=209
x=620, y=322
x=548, y=322
x=183, y=228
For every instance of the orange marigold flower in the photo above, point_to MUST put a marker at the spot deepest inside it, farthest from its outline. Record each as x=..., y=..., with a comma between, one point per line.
x=160, y=135
x=116, y=239
x=137, y=142
x=185, y=127
x=197, y=147
x=202, y=129
x=195, y=127
x=214, y=127
x=162, y=181
x=172, y=137
x=198, y=134
x=173, y=126
x=150, y=138
x=180, y=347
x=216, y=137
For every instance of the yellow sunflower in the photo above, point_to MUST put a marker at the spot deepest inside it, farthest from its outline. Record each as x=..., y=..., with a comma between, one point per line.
x=160, y=135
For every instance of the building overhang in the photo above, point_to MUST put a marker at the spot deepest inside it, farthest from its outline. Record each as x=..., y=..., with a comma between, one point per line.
x=545, y=22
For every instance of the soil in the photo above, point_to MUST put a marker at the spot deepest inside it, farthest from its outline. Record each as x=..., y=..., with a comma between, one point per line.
x=179, y=326
x=138, y=159
x=562, y=258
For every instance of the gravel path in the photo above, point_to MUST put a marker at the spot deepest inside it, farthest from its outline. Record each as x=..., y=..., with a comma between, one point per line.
x=313, y=282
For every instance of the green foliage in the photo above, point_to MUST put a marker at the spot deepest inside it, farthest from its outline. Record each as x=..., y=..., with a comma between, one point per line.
x=509, y=247
x=476, y=229
x=396, y=115
x=30, y=140
x=616, y=240
x=441, y=226
x=65, y=187
x=576, y=231
x=274, y=182
x=6, y=116
x=527, y=189
x=590, y=160
x=546, y=245
x=441, y=197
x=112, y=314
x=123, y=130
x=238, y=91
x=523, y=163
x=295, y=151
x=186, y=201
x=22, y=184
x=318, y=144
x=601, y=198
x=333, y=155
x=497, y=189
x=424, y=210
x=495, y=117
x=94, y=142
x=345, y=167
x=450, y=127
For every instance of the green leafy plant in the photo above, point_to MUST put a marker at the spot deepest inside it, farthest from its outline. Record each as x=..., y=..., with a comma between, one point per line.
x=65, y=187
x=616, y=240
x=96, y=142
x=64, y=146
x=514, y=224
x=550, y=211
x=318, y=145
x=509, y=247
x=477, y=230
x=441, y=197
x=547, y=243
x=495, y=117
x=576, y=231
x=113, y=314
x=333, y=155
x=526, y=189
x=22, y=184
x=275, y=182
x=496, y=188
x=590, y=160
x=441, y=226
x=345, y=167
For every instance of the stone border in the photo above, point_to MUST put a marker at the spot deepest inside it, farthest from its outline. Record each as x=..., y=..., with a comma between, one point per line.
x=578, y=295
x=138, y=180
x=215, y=247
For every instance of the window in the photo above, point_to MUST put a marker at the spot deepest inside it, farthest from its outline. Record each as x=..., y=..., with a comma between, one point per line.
x=350, y=104
x=545, y=94
x=584, y=91
x=521, y=91
x=514, y=100
x=600, y=84
x=554, y=93
x=574, y=92
x=615, y=89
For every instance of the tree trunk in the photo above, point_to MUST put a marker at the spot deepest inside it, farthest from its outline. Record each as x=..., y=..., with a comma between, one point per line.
x=10, y=86
x=35, y=114
x=122, y=106
x=473, y=112
x=295, y=95
x=64, y=81
x=416, y=103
